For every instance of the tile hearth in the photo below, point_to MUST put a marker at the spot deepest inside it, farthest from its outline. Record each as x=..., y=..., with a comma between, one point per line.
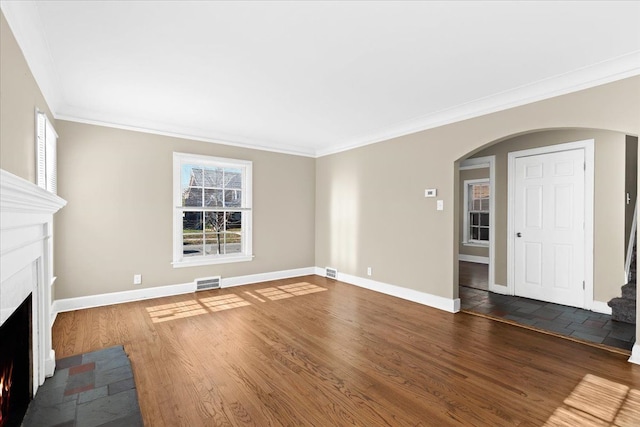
x=88, y=390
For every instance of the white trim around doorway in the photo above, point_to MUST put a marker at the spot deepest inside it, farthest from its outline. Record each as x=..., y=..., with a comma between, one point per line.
x=588, y=147
x=488, y=162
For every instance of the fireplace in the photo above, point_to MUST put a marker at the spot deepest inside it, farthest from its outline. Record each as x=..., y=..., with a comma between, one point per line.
x=26, y=280
x=16, y=374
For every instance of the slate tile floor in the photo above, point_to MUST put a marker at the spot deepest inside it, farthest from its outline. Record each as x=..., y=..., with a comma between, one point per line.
x=88, y=390
x=567, y=321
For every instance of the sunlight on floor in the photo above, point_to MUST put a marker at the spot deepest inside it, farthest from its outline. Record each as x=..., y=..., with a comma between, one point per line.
x=224, y=302
x=179, y=310
x=288, y=291
x=302, y=288
x=254, y=296
x=274, y=293
x=176, y=310
x=596, y=401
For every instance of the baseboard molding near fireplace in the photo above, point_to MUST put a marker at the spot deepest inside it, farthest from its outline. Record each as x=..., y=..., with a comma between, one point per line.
x=90, y=301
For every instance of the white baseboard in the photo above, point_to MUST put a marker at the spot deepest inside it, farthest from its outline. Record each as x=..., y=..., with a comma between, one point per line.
x=446, y=304
x=79, y=303
x=499, y=289
x=265, y=277
x=50, y=364
x=601, y=307
x=635, y=354
x=90, y=301
x=473, y=258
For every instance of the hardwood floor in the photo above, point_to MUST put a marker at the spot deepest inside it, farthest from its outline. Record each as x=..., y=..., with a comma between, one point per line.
x=473, y=275
x=312, y=351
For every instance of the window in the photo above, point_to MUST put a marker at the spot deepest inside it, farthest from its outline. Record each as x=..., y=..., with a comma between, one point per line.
x=212, y=210
x=46, y=164
x=477, y=196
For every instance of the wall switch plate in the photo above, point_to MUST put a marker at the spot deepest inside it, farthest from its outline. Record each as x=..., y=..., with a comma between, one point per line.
x=137, y=279
x=440, y=205
x=430, y=192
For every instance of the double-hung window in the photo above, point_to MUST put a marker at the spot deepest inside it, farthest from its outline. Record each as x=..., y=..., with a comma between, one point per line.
x=212, y=210
x=477, y=197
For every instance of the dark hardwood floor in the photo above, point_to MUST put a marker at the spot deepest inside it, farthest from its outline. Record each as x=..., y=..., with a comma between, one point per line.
x=313, y=351
x=473, y=275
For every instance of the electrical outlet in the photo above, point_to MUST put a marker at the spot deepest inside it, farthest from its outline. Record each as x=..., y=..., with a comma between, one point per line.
x=368, y=271
x=137, y=279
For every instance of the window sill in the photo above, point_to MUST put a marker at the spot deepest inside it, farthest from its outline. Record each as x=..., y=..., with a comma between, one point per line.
x=476, y=244
x=211, y=261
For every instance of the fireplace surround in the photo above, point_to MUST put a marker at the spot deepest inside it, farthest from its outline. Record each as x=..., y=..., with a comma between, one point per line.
x=26, y=266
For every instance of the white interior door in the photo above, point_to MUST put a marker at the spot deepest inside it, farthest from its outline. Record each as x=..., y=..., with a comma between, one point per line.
x=549, y=236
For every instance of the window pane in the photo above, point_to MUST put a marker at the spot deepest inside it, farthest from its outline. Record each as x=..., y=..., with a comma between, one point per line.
x=213, y=177
x=191, y=245
x=234, y=221
x=484, y=205
x=477, y=205
x=212, y=198
x=214, y=244
x=191, y=184
x=191, y=222
x=214, y=221
x=474, y=233
x=484, y=234
x=233, y=198
x=484, y=219
x=192, y=196
x=233, y=243
x=233, y=178
x=475, y=218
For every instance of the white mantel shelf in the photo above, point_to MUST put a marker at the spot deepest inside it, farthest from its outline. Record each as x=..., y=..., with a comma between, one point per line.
x=18, y=195
x=26, y=249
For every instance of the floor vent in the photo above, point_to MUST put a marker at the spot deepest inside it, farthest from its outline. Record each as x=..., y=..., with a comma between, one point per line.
x=206, y=283
x=331, y=273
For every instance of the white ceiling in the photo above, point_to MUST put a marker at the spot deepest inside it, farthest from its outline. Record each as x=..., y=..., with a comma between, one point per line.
x=314, y=78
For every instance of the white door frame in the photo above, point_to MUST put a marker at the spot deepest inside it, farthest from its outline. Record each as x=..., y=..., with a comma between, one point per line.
x=588, y=147
x=479, y=163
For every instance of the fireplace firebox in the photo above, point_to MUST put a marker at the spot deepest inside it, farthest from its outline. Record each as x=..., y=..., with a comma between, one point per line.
x=16, y=365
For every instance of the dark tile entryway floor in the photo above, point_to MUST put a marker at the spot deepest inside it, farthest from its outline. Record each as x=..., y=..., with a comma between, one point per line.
x=88, y=390
x=559, y=319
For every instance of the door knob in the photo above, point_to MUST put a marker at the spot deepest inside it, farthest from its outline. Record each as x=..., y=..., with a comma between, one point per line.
x=519, y=234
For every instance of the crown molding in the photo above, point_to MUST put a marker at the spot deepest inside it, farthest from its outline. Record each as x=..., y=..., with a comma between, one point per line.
x=190, y=134
x=584, y=78
x=24, y=20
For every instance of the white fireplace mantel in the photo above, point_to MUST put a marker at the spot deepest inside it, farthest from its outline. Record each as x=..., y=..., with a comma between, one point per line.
x=26, y=255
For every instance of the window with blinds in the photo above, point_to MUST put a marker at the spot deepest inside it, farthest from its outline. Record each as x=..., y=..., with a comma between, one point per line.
x=212, y=210
x=46, y=163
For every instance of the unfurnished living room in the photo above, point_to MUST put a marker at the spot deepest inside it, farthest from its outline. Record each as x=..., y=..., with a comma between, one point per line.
x=322, y=213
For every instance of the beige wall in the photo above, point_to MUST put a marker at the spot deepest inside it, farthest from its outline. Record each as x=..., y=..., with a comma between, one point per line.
x=18, y=102
x=482, y=173
x=118, y=221
x=370, y=204
x=609, y=204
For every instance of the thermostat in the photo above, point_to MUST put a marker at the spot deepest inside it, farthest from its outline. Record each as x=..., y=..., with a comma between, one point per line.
x=430, y=192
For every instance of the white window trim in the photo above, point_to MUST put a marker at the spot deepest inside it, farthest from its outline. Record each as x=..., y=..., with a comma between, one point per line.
x=247, y=252
x=466, y=240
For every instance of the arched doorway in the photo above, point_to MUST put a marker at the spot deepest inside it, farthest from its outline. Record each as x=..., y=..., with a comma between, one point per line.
x=604, y=263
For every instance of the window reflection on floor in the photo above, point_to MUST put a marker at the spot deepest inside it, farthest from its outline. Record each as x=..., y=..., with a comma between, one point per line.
x=596, y=401
x=199, y=306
